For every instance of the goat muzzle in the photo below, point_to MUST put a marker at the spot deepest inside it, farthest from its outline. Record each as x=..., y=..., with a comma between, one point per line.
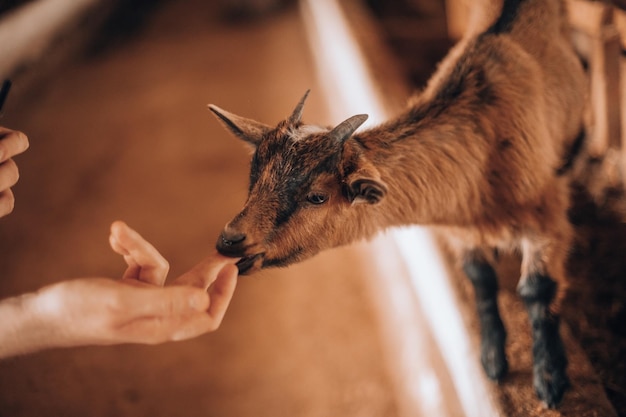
x=231, y=244
x=236, y=245
x=232, y=238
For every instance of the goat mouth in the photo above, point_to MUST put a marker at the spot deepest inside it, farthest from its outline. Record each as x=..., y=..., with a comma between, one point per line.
x=246, y=263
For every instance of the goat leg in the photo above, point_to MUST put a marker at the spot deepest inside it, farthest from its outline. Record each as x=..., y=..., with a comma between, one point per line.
x=549, y=360
x=492, y=331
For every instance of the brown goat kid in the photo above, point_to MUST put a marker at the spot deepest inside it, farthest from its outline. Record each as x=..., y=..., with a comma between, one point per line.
x=479, y=155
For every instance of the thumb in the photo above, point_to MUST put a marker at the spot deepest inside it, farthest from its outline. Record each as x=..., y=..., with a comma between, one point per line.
x=145, y=263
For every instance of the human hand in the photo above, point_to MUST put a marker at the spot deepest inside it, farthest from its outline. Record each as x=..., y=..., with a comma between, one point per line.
x=11, y=143
x=135, y=309
x=216, y=275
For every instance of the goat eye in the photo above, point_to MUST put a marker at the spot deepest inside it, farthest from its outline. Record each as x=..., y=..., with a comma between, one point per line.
x=317, y=198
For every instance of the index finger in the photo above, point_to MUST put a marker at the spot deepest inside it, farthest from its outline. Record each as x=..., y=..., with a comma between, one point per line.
x=221, y=292
x=205, y=273
x=12, y=142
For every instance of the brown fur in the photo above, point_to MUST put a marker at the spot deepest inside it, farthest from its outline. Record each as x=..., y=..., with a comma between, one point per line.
x=476, y=155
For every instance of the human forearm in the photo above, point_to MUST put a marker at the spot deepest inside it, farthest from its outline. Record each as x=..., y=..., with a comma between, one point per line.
x=22, y=329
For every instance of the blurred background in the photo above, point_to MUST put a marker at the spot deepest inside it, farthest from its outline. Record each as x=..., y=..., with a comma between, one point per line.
x=113, y=96
x=115, y=109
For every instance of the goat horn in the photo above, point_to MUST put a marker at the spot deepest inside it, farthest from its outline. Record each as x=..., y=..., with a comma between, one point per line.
x=296, y=116
x=346, y=128
x=246, y=129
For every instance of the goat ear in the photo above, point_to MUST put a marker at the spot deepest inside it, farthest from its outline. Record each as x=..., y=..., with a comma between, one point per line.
x=366, y=190
x=248, y=130
x=365, y=186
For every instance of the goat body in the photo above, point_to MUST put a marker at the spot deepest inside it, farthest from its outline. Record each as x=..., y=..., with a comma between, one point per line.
x=478, y=155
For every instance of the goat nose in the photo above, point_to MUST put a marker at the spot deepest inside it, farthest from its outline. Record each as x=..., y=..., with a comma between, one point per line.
x=232, y=238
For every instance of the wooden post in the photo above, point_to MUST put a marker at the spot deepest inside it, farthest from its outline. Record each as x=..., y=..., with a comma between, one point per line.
x=595, y=21
x=620, y=24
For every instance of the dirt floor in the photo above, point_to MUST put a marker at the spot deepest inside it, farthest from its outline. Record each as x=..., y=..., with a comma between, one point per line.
x=596, y=306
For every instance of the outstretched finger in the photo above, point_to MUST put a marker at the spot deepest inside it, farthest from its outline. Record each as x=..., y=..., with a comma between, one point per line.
x=176, y=312
x=163, y=303
x=154, y=330
x=221, y=292
x=145, y=263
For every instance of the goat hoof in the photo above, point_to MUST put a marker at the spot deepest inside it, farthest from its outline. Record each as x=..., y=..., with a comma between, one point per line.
x=494, y=361
x=550, y=387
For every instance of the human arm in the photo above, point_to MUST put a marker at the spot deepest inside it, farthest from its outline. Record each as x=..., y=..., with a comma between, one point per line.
x=136, y=309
